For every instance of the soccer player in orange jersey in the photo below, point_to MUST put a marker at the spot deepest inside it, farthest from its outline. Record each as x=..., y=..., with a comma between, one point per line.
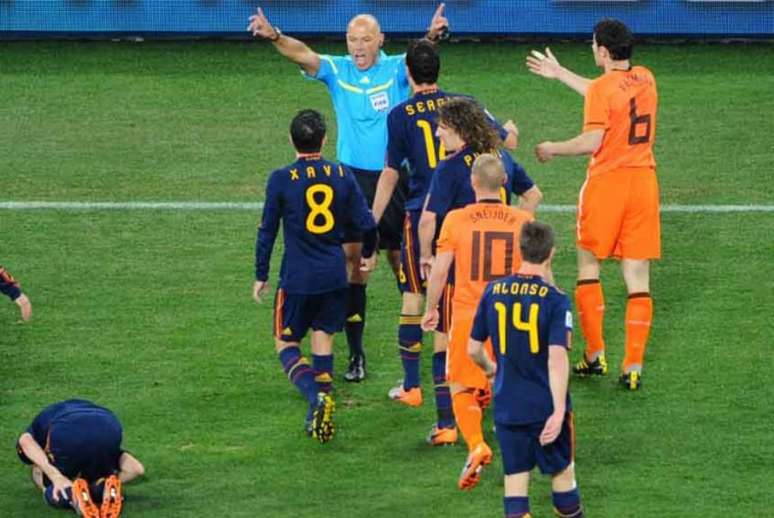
x=482, y=240
x=618, y=209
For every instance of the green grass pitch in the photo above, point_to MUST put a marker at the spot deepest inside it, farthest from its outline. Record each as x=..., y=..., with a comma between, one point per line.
x=150, y=314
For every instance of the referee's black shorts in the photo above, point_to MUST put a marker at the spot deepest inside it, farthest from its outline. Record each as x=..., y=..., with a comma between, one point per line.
x=391, y=225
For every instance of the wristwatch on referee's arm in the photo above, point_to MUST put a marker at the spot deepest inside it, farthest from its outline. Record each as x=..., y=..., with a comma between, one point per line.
x=442, y=34
x=277, y=34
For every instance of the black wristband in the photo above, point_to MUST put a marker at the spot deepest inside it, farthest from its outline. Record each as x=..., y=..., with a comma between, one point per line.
x=278, y=34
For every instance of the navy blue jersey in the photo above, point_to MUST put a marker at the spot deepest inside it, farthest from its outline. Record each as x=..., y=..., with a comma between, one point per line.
x=8, y=285
x=79, y=437
x=451, y=187
x=313, y=197
x=523, y=315
x=411, y=140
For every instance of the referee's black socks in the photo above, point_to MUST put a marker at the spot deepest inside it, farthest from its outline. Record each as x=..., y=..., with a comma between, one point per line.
x=356, y=317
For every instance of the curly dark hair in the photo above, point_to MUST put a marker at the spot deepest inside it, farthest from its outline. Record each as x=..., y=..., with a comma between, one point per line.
x=469, y=120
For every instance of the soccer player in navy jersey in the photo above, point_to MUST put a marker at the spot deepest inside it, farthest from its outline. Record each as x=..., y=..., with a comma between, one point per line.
x=529, y=323
x=74, y=448
x=412, y=144
x=313, y=197
x=10, y=288
x=363, y=85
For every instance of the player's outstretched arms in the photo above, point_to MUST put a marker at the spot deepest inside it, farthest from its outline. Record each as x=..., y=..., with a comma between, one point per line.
x=586, y=143
x=546, y=65
x=295, y=50
x=129, y=468
x=25, y=306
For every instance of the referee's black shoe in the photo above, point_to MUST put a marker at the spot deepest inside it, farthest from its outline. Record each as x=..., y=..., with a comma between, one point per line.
x=356, y=372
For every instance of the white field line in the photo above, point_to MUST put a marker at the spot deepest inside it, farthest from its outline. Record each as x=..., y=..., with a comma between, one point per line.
x=256, y=206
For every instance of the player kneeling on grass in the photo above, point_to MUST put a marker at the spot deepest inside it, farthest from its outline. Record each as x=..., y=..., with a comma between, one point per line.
x=9, y=287
x=74, y=448
x=530, y=325
x=313, y=197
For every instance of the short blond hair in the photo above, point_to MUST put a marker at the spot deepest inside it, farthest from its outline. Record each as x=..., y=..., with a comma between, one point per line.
x=489, y=171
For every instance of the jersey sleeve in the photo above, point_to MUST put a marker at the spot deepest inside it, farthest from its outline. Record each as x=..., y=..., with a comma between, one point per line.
x=447, y=239
x=560, y=326
x=596, y=113
x=441, y=192
x=267, y=232
x=397, y=148
x=520, y=182
x=496, y=125
x=328, y=71
x=480, y=329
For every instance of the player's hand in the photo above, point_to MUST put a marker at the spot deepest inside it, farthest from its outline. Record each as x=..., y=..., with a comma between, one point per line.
x=425, y=267
x=25, y=306
x=369, y=264
x=511, y=127
x=552, y=428
x=439, y=24
x=260, y=27
x=259, y=288
x=490, y=372
x=543, y=152
x=545, y=65
x=430, y=320
x=61, y=485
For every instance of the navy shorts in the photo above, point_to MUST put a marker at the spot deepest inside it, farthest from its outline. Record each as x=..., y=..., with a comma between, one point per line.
x=391, y=224
x=410, y=276
x=521, y=449
x=295, y=314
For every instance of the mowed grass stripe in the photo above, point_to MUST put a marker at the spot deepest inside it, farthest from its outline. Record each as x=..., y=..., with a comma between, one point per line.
x=195, y=205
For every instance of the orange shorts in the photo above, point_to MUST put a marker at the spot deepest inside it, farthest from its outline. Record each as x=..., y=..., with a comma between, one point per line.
x=618, y=215
x=460, y=368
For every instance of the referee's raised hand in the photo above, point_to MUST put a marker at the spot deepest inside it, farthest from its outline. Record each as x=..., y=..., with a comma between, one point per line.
x=260, y=27
x=439, y=24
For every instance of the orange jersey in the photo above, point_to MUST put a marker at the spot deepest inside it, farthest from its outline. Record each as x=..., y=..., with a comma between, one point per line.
x=623, y=103
x=484, y=238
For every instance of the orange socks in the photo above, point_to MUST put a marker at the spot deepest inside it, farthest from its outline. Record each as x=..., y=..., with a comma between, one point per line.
x=590, y=302
x=468, y=415
x=639, y=314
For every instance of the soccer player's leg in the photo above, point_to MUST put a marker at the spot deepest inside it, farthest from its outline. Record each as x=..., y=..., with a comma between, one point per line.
x=600, y=213
x=291, y=321
x=558, y=460
x=466, y=380
x=82, y=500
x=517, y=448
x=409, y=391
x=112, y=497
x=356, y=308
x=444, y=432
x=639, y=243
x=329, y=312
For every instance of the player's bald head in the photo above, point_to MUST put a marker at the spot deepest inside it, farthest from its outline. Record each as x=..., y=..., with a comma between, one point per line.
x=365, y=22
x=488, y=173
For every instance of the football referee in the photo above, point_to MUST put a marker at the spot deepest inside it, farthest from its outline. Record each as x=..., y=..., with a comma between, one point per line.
x=364, y=85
